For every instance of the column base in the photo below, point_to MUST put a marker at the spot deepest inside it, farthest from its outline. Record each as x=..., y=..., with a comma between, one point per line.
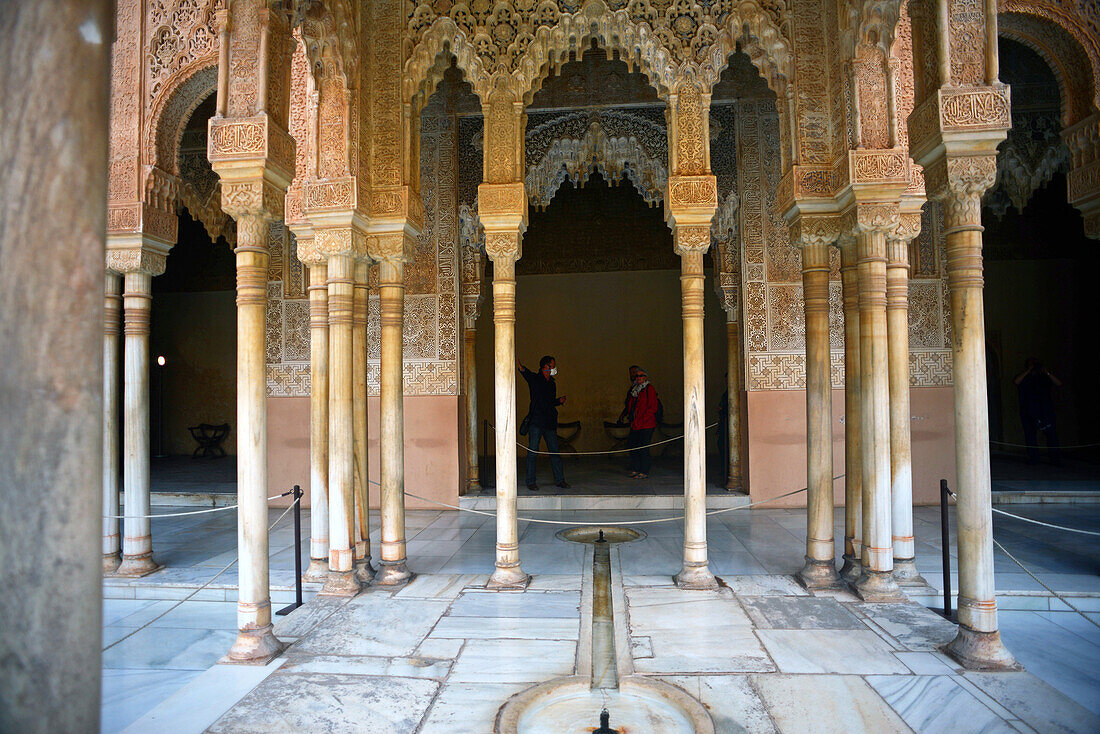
x=906, y=573
x=364, y=571
x=254, y=647
x=473, y=486
x=695, y=577
x=340, y=583
x=879, y=587
x=111, y=562
x=734, y=484
x=508, y=577
x=819, y=575
x=135, y=567
x=393, y=573
x=980, y=651
x=317, y=572
x=851, y=570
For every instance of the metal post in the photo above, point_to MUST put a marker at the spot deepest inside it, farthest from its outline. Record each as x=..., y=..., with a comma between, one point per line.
x=945, y=542
x=297, y=492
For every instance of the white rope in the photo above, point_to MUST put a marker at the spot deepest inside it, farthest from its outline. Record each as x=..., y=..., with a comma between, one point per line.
x=210, y=581
x=1044, y=524
x=1052, y=591
x=183, y=514
x=1053, y=448
x=601, y=453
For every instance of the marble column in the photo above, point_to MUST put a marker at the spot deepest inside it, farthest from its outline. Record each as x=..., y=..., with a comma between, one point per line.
x=137, y=541
x=363, y=569
x=733, y=411
x=54, y=80
x=469, y=377
x=901, y=452
x=341, y=579
x=112, y=474
x=393, y=568
x=820, y=569
x=508, y=573
x=978, y=643
x=256, y=642
x=318, y=423
x=695, y=572
x=853, y=449
x=876, y=581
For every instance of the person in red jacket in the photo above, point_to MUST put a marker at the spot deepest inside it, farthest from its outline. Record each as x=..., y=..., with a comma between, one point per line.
x=642, y=413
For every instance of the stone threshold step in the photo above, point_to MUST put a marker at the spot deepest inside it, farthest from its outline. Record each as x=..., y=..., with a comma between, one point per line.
x=604, y=502
x=1040, y=497
x=1025, y=601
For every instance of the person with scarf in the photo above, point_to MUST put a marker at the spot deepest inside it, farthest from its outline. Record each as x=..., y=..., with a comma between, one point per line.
x=642, y=414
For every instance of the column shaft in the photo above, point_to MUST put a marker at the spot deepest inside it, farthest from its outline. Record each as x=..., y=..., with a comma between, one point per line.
x=695, y=572
x=901, y=453
x=341, y=453
x=363, y=569
x=111, y=466
x=256, y=643
x=137, y=546
x=469, y=374
x=394, y=568
x=733, y=405
x=508, y=572
x=853, y=438
x=318, y=423
x=820, y=569
x=876, y=583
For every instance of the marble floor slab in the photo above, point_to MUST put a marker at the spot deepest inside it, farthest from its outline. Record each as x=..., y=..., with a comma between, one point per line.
x=468, y=707
x=914, y=626
x=826, y=704
x=372, y=624
x=936, y=704
x=799, y=613
x=130, y=693
x=563, y=604
x=503, y=661
x=732, y=702
x=851, y=652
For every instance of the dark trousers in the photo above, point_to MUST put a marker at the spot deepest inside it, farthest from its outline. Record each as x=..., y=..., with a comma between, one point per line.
x=550, y=435
x=1032, y=426
x=639, y=457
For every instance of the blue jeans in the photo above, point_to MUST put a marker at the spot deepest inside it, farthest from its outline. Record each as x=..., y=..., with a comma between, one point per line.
x=550, y=435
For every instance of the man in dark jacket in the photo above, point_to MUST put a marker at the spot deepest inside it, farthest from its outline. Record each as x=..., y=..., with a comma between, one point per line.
x=543, y=414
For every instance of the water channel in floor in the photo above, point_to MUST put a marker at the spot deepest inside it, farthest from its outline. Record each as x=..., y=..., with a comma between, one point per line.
x=605, y=696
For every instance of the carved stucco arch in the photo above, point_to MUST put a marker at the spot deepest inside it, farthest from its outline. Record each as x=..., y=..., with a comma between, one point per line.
x=172, y=110
x=425, y=68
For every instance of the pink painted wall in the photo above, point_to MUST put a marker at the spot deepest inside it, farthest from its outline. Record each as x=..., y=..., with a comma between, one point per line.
x=432, y=448
x=777, y=443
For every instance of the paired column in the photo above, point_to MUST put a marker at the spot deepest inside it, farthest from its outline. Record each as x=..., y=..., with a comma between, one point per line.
x=137, y=544
x=876, y=582
x=341, y=579
x=820, y=569
x=112, y=311
x=256, y=642
x=853, y=430
x=318, y=423
x=393, y=568
x=469, y=377
x=363, y=569
x=901, y=452
x=691, y=244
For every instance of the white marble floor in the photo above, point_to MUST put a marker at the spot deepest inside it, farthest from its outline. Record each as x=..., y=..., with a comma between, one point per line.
x=765, y=642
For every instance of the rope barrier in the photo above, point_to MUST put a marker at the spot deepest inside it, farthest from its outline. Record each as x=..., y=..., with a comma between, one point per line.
x=601, y=453
x=1036, y=446
x=1046, y=524
x=183, y=514
x=210, y=581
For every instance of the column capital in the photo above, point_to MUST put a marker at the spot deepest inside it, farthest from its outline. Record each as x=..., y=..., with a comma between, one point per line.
x=690, y=239
x=136, y=254
x=815, y=230
x=329, y=241
x=864, y=218
x=959, y=182
x=392, y=247
x=503, y=246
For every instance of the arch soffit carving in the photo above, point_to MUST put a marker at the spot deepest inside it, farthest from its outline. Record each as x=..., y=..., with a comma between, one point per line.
x=173, y=108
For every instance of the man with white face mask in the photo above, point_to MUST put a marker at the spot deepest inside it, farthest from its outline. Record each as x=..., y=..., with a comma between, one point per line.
x=542, y=418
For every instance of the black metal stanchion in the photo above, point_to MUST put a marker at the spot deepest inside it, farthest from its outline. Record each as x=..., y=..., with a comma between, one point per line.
x=945, y=542
x=297, y=492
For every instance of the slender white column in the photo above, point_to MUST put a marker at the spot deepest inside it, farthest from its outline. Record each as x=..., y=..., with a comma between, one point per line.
x=733, y=415
x=820, y=569
x=469, y=376
x=853, y=439
x=318, y=423
x=112, y=474
x=256, y=642
x=394, y=567
x=508, y=572
x=341, y=580
x=137, y=544
x=695, y=573
x=363, y=569
x=876, y=582
x=901, y=452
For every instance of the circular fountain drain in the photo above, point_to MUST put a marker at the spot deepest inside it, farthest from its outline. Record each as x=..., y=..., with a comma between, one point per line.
x=592, y=534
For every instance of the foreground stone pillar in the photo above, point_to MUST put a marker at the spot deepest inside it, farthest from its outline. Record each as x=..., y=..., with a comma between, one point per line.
x=901, y=451
x=363, y=569
x=469, y=376
x=318, y=422
x=256, y=642
x=112, y=312
x=137, y=541
x=391, y=254
x=876, y=581
x=853, y=450
x=341, y=580
x=820, y=569
x=52, y=220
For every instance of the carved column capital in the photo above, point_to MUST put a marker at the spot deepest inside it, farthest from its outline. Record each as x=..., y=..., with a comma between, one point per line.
x=691, y=239
x=392, y=247
x=959, y=182
x=503, y=247
x=136, y=254
x=880, y=217
x=815, y=230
